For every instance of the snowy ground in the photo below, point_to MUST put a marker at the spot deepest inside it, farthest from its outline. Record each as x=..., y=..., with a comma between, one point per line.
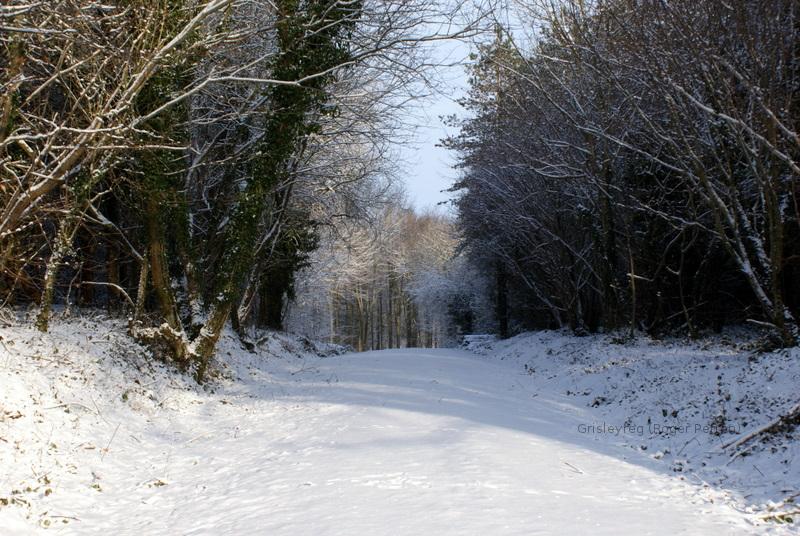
x=97, y=439
x=677, y=403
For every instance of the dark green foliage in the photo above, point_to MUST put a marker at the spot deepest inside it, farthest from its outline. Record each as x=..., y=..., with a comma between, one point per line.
x=309, y=46
x=280, y=267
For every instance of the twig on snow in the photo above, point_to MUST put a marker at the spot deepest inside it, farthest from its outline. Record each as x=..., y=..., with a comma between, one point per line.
x=104, y=451
x=573, y=467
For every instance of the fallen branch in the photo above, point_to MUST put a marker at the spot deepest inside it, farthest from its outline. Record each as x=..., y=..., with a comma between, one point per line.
x=575, y=469
x=781, y=517
x=104, y=451
x=772, y=426
x=69, y=405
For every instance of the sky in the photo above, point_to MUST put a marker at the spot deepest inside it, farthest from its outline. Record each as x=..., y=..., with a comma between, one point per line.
x=428, y=168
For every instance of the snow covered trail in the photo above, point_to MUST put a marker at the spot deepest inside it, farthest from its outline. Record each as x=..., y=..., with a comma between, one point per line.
x=395, y=442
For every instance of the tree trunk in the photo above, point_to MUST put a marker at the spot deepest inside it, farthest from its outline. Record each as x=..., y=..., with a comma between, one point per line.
x=63, y=246
x=501, y=304
x=158, y=267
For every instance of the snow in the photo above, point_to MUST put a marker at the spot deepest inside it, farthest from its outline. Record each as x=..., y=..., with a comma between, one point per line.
x=680, y=403
x=98, y=438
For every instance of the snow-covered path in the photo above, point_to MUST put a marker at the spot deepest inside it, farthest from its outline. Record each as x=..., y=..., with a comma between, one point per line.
x=394, y=442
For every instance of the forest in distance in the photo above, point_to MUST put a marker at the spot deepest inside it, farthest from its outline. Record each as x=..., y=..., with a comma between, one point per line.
x=623, y=166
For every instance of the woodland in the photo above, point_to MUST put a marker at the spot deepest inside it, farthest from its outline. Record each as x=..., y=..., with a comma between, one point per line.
x=624, y=166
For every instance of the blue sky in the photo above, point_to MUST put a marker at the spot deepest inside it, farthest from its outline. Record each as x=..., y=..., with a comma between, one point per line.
x=429, y=168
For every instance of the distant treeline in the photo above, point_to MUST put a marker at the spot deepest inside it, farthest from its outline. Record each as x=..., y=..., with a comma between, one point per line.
x=393, y=282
